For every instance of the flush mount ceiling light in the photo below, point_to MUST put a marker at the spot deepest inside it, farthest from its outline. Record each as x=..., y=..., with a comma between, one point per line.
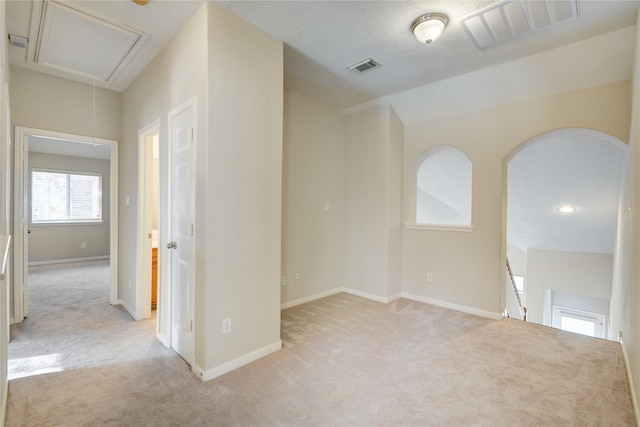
x=428, y=28
x=566, y=209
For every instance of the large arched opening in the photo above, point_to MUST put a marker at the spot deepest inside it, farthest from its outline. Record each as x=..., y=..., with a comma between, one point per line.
x=562, y=200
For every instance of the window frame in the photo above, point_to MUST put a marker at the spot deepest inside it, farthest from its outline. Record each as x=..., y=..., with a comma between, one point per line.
x=599, y=320
x=64, y=222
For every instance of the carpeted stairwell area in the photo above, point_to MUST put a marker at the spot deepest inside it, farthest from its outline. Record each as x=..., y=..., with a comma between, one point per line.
x=346, y=361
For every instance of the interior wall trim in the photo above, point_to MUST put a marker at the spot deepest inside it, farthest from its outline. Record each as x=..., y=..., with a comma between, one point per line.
x=453, y=306
x=387, y=300
x=69, y=260
x=632, y=390
x=238, y=362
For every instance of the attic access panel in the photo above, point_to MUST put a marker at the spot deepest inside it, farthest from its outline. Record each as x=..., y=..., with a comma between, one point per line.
x=70, y=40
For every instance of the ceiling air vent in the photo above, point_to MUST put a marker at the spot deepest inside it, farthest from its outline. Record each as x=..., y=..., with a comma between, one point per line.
x=18, y=41
x=514, y=18
x=362, y=66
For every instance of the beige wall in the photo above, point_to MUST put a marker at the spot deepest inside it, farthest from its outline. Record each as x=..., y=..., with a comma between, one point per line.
x=313, y=239
x=468, y=268
x=575, y=273
x=394, y=205
x=235, y=72
x=374, y=189
x=63, y=242
x=354, y=163
x=175, y=75
x=43, y=102
x=625, y=298
x=241, y=251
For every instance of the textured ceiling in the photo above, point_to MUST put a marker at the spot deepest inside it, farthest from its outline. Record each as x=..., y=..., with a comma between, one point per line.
x=322, y=38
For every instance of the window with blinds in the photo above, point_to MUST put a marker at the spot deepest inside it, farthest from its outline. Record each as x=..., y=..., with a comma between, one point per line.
x=65, y=197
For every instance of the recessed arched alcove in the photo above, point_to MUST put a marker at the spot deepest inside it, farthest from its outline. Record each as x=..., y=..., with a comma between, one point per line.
x=562, y=201
x=443, y=187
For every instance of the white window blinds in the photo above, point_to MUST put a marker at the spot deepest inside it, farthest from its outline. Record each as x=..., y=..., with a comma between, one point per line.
x=65, y=197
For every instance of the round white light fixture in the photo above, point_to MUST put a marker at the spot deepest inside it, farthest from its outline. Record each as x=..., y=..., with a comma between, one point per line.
x=428, y=28
x=567, y=209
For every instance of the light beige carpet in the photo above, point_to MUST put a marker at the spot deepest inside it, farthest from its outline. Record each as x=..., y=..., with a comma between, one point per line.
x=346, y=361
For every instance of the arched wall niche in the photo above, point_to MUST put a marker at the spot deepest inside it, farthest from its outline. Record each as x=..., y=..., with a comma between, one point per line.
x=443, y=176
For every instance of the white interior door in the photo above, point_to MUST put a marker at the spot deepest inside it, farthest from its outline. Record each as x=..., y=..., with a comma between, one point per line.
x=182, y=223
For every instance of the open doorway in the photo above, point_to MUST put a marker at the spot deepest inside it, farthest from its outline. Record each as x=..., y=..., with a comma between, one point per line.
x=149, y=258
x=563, y=190
x=77, y=223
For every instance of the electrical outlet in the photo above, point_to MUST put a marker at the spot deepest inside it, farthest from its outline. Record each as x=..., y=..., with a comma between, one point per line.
x=297, y=277
x=226, y=325
x=283, y=280
x=129, y=282
x=83, y=245
x=429, y=277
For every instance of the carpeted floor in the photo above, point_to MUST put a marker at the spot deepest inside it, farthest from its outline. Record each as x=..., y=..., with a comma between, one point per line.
x=346, y=361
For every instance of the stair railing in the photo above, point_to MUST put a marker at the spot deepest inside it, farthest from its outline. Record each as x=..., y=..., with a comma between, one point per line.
x=523, y=309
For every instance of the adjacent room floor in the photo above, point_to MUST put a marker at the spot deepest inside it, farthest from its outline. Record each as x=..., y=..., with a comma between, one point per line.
x=346, y=361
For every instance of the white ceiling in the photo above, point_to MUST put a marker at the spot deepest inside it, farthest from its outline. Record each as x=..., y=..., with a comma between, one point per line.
x=450, y=76
x=322, y=38
x=577, y=167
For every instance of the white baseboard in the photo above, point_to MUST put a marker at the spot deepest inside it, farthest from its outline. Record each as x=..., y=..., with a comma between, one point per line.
x=310, y=298
x=452, y=306
x=163, y=340
x=387, y=300
x=392, y=298
x=127, y=309
x=236, y=363
x=66, y=261
x=367, y=295
x=632, y=390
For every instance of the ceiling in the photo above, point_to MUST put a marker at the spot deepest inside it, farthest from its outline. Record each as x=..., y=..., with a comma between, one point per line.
x=323, y=38
x=590, y=45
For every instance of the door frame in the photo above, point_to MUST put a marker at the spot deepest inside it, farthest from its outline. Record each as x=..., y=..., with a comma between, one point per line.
x=143, y=294
x=21, y=223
